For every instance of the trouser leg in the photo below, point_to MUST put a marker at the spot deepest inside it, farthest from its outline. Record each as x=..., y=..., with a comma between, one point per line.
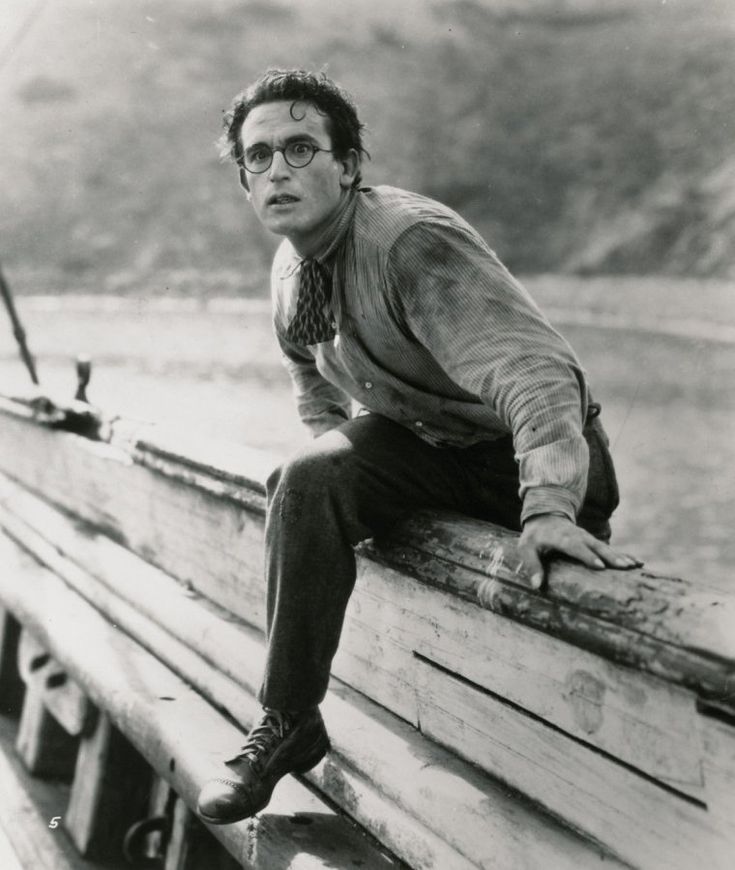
x=346, y=486
x=353, y=483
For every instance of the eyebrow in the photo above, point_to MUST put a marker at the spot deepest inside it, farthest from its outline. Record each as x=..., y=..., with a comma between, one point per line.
x=296, y=137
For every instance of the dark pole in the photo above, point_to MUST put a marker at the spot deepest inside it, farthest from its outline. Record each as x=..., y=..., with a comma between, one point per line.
x=18, y=330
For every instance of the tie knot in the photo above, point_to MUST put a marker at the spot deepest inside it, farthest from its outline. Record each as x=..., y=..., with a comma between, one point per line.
x=312, y=270
x=312, y=322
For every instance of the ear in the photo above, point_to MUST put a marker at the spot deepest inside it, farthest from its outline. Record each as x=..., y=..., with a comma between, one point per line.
x=350, y=165
x=244, y=180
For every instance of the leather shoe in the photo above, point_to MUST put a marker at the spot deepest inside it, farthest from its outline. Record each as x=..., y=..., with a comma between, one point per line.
x=280, y=743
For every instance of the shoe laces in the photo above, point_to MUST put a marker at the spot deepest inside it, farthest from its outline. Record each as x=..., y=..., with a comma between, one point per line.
x=265, y=735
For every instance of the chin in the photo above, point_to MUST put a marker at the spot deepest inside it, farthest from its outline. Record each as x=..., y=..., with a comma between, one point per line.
x=280, y=226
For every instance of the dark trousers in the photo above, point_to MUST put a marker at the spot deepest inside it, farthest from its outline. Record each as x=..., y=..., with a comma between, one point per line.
x=352, y=483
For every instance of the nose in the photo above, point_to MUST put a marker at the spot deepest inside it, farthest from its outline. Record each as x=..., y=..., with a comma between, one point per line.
x=279, y=168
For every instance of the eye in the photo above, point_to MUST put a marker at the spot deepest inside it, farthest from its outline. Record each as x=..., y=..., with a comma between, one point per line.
x=258, y=154
x=301, y=149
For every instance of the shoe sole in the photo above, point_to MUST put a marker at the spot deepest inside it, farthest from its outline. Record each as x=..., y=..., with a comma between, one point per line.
x=212, y=820
x=316, y=752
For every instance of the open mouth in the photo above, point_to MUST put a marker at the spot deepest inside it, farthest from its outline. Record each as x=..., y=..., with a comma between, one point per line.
x=282, y=199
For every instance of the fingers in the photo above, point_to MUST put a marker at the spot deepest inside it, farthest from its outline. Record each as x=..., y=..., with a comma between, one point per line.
x=548, y=534
x=532, y=562
x=595, y=553
x=584, y=548
x=612, y=558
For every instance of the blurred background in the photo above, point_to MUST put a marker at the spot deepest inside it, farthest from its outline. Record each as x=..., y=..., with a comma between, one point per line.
x=590, y=142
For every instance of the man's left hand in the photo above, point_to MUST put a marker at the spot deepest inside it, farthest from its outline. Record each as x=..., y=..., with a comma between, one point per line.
x=548, y=533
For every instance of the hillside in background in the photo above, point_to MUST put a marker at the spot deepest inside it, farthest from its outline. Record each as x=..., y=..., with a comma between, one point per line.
x=589, y=137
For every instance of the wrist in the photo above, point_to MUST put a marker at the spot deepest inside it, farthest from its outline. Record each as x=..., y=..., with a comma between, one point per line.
x=549, y=500
x=541, y=516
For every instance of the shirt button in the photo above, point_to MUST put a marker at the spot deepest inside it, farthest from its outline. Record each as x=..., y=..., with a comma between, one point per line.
x=419, y=423
x=368, y=385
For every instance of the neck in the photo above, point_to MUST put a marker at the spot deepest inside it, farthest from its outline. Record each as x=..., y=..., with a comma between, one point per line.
x=322, y=240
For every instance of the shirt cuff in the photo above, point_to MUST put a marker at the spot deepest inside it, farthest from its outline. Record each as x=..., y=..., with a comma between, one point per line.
x=548, y=500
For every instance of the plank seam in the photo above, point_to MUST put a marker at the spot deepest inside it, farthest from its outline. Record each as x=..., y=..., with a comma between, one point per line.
x=559, y=730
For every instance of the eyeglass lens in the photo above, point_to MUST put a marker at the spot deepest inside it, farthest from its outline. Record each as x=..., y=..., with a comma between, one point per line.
x=296, y=154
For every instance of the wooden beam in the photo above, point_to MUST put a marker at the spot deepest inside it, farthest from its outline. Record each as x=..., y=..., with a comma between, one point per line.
x=62, y=697
x=585, y=799
x=44, y=746
x=403, y=788
x=109, y=791
x=661, y=625
x=719, y=768
x=208, y=532
x=192, y=847
x=183, y=738
x=36, y=844
x=614, y=660
x=643, y=721
x=650, y=826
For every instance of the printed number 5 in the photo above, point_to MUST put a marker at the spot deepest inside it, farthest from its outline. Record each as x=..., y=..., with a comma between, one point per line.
x=54, y=823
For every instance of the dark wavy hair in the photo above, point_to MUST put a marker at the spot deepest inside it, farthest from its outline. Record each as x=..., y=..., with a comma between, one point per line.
x=297, y=85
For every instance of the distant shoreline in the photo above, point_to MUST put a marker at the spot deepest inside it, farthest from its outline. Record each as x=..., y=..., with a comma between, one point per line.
x=696, y=329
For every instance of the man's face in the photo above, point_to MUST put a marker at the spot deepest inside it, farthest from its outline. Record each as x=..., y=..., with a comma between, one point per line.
x=295, y=203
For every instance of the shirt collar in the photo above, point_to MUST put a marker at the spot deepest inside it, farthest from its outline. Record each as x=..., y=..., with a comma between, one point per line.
x=335, y=230
x=330, y=238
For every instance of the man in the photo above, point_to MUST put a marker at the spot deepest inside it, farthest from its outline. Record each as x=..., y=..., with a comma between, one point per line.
x=469, y=401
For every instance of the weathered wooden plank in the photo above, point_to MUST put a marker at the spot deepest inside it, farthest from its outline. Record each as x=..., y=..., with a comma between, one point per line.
x=122, y=570
x=45, y=748
x=647, y=825
x=101, y=483
x=595, y=621
x=35, y=843
x=391, y=758
x=655, y=624
x=642, y=720
x=146, y=579
x=143, y=508
x=43, y=745
x=372, y=662
x=62, y=697
x=192, y=847
x=719, y=772
x=109, y=791
x=181, y=736
x=399, y=830
x=669, y=609
x=8, y=855
x=666, y=608
x=84, y=801
x=646, y=722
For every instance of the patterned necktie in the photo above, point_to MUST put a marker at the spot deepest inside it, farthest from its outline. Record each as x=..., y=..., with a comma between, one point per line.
x=312, y=322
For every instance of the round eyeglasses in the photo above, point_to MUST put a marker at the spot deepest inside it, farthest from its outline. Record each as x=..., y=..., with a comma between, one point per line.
x=296, y=154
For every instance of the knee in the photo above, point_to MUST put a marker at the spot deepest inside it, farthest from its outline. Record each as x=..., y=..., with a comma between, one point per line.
x=305, y=472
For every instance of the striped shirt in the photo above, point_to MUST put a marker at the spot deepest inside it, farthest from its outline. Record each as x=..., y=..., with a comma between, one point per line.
x=434, y=333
